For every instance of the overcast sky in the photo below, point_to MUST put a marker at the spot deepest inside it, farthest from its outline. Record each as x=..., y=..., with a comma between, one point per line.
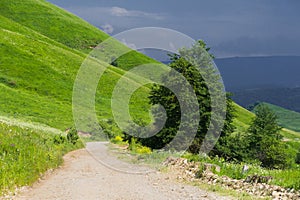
x=231, y=27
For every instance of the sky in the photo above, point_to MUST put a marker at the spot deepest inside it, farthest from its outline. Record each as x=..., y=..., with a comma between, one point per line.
x=230, y=27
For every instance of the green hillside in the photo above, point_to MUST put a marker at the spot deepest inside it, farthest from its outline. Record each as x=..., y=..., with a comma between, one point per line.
x=37, y=79
x=63, y=27
x=41, y=57
x=243, y=118
x=38, y=72
x=286, y=118
x=54, y=23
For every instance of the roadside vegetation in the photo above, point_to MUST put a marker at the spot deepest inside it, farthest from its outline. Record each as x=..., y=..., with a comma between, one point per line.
x=25, y=154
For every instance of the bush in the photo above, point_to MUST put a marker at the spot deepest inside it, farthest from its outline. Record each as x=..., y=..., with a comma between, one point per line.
x=297, y=160
x=72, y=136
x=143, y=150
x=117, y=140
x=132, y=144
x=138, y=148
x=59, y=139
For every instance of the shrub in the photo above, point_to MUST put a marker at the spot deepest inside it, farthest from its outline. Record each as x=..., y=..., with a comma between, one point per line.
x=72, y=136
x=138, y=148
x=117, y=140
x=143, y=150
x=199, y=173
x=59, y=139
x=132, y=145
x=297, y=160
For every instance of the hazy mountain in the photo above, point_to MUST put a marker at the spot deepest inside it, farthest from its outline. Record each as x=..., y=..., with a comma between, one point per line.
x=242, y=73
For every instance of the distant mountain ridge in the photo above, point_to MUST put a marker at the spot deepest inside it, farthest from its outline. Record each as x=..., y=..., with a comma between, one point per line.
x=273, y=79
x=240, y=73
x=288, y=98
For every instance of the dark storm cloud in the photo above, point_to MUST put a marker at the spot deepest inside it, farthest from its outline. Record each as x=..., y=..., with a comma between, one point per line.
x=232, y=27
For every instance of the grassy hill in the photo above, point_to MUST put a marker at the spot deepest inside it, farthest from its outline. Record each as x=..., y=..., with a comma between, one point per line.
x=52, y=22
x=41, y=57
x=286, y=118
x=37, y=72
x=40, y=62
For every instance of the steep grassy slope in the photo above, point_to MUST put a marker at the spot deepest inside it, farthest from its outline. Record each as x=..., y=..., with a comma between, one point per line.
x=52, y=22
x=63, y=27
x=40, y=57
x=43, y=47
x=37, y=79
x=242, y=118
x=36, y=76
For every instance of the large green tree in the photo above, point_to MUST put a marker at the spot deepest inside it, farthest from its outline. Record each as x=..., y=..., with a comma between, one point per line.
x=161, y=95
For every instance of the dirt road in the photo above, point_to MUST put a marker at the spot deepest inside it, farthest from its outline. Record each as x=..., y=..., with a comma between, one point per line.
x=83, y=176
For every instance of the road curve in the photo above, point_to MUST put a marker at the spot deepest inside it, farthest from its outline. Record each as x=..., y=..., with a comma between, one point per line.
x=85, y=175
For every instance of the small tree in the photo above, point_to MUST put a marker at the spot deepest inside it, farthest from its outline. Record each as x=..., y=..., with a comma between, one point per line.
x=265, y=140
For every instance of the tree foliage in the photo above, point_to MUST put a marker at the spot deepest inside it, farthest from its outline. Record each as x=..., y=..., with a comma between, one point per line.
x=265, y=141
x=165, y=97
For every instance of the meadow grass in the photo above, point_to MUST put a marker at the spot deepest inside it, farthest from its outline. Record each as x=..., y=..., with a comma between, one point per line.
x=57, y=24
x=25, y=154
x=37, y=79
x=38, y=67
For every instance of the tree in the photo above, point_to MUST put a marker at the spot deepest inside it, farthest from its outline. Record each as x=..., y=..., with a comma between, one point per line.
x=162, y=95
x=228, y=145
x=265, y=141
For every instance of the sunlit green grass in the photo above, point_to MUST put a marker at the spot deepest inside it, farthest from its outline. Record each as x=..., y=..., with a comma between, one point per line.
x=286, y=118
x=26, y=153
x=54, y=23
x=38, y=67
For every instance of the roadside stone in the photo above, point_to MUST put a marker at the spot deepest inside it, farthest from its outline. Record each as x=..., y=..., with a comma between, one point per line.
x=253, y=185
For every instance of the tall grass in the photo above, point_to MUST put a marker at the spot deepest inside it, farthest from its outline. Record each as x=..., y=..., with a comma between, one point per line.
x=25, y=154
